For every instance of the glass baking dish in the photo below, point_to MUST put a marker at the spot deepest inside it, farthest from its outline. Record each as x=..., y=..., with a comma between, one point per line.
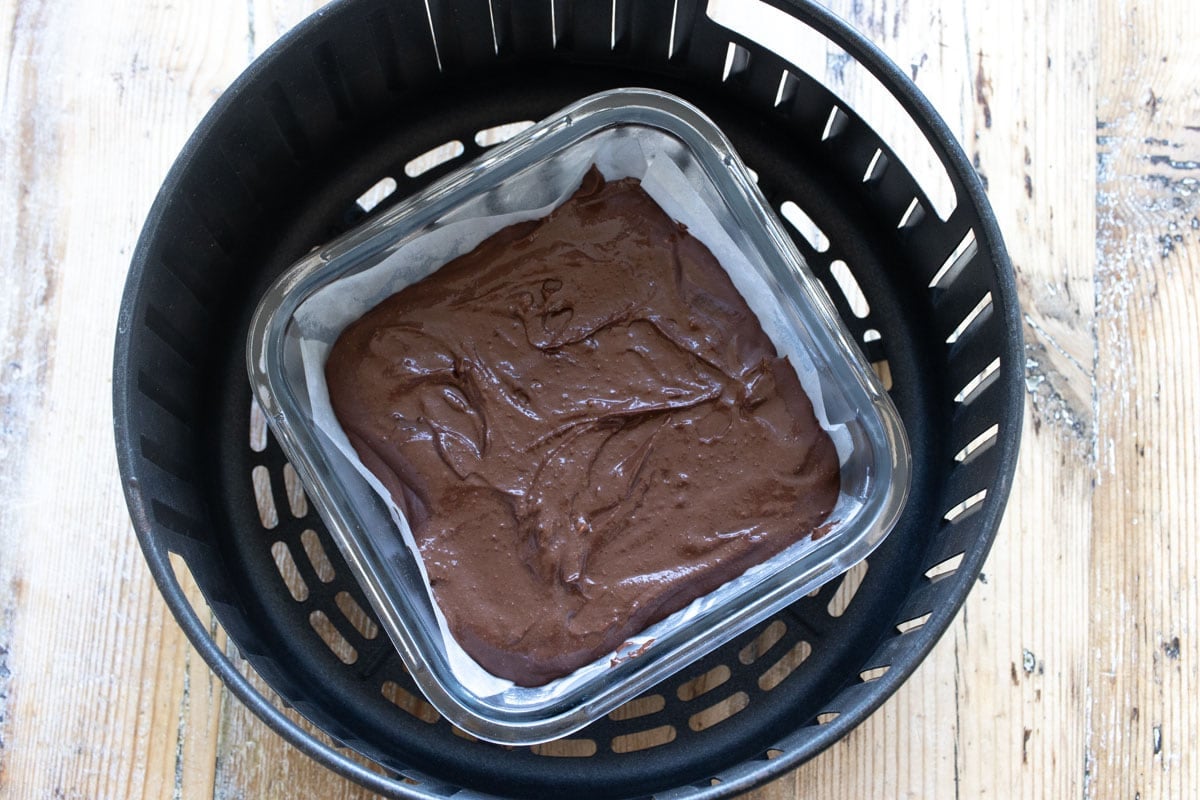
x=692, y=171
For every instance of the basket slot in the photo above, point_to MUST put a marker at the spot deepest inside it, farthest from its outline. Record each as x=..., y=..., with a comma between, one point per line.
x=247, y=156
x=160, y=389
x=978, y=444
x=846, y=700
x=186, y=521
x=326, y=62
x=165, y=459
x=701, y=44
x=462, y=33
x=286, y=124
x=764, y=76
x=289, y=571
x=914, y=215
x=975, y=319
x=264, y=496
x=896, y=193
x=216, y=216
x=968, y=479
x=164, y=324
x=202, y=274
x=308, y=132
x=923, y=599
x=523, y=27
x=598, y=28
x=945, y=568
x=353, y=75
x=956, y=262
x=804, y=225
x=651, y=26
x=851, y=146
x=892, y=651
x=402, y=45
x=785, y=93
x=848, y=285
x=968, y=365
x=955, y=303
x=978, y=414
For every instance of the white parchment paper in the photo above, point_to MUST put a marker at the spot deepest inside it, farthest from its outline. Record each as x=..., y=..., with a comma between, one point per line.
x=641, y=153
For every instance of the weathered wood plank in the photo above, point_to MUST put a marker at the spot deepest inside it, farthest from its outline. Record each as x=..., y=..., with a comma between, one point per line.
x=1143, y=594
x=98, y=99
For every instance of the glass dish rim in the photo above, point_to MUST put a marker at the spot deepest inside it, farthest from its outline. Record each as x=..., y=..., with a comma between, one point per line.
x=536, y=723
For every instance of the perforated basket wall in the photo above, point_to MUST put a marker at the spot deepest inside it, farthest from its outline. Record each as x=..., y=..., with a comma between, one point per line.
x=352, y=97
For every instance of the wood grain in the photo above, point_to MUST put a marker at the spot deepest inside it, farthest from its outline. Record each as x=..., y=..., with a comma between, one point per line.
x=1143, y=595
x=1071, y=670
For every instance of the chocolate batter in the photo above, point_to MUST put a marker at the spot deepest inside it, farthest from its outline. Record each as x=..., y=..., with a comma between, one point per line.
x=586, y=427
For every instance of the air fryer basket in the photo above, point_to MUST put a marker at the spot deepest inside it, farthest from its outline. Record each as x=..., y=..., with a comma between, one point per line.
x=352, y=96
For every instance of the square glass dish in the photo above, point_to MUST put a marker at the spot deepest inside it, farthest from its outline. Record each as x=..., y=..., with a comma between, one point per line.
x=689, y=169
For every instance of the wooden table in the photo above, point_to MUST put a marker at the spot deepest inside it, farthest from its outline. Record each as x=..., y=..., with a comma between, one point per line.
x=1072, y=669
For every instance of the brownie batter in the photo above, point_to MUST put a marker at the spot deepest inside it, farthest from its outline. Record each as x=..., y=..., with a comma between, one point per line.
x=586, y=428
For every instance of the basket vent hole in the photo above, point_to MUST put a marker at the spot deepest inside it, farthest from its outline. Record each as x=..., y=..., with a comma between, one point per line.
x=805, y=226
x=966, y=507
x=316, y=556
x=784, y=666
x=787, y=88
x=753, y=174
x=435, y=157
x=459, y=732
x=877, y=166
x=850, y=288
x=978, y=445
x=258, y=427
x=407, y=701
x=282, y=554
x=264, y=498
x=871, y=335
x=737, y=60
x=846, y=590
x=382, y=190
x=500, y=133
x=978, y=383
x=773, y=753
x=297, y=502
x=718, y=712
x=883, y=370
x=827, y=717
x=873, y=674
x=981, y=311
x=762, y=643
x=913, y=216
x=355, y=615
x=566, y=748
x=945, y=567
x=914, y=623
x=834, y=124
x=639, y=707
x=703, y=683
x=954, y=263
x=332, y=638
x=643, y=740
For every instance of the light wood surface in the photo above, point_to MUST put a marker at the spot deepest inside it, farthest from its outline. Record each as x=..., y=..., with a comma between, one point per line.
x=1072, y=670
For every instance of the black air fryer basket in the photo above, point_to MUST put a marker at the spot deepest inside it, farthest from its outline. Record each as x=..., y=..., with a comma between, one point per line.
x=351, y=97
